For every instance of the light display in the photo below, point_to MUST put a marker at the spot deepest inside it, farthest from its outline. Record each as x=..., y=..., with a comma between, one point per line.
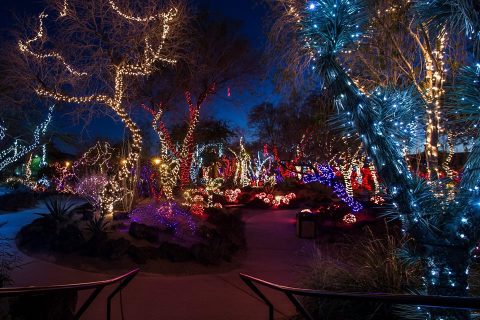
x=197, y=159
x=166, y=215
x=184, y=154
x=17, y=150
x=445, y=230
x=112, y=193
x=90, y=188
x=147, y=184
x=243, y=168
x=202, y=197
x=232, y=195
x=95, y=162
x=168, y=174
x=24, y=47
x=262, y=170
x=349, y=218
x=326, y=176
x=276, y=201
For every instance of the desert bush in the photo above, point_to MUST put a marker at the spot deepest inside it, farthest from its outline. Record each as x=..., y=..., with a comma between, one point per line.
x=288, y=185
x=244, y=197
x=98, y=225
x=224, y=233
x=369, y=264
x=59, y=208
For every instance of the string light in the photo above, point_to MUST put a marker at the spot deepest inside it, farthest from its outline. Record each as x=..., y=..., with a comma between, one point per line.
x=24, y=47
x=243, y=169
x=441, y=230
x=326, y=176
x=64, y=11
x=113, y=192
x=17, y=150
x=349, y=218
x=160, y=16
x=232, y=195
x=166, y=215
x=276, y=201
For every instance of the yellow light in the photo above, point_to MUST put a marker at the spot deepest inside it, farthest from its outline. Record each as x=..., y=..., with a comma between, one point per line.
x=67, y=164
x=157, y=161
x=113, y=192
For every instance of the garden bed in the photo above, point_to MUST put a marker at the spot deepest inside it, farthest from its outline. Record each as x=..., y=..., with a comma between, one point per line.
x=120, y=243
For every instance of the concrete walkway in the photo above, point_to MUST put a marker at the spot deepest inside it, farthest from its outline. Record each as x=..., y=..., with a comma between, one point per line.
x=274, y=253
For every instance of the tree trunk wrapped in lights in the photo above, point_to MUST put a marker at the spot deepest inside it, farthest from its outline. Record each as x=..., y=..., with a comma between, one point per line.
x=18, y=150
x=183, y=157
x=114, y=50
x=386, y=120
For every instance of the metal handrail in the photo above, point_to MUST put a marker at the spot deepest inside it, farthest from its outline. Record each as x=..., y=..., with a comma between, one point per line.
x=468, y=303
x=96, y=286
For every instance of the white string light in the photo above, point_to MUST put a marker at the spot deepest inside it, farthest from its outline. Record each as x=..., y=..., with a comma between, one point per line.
x=17, y=151
x=24, y=47
x=112, y=193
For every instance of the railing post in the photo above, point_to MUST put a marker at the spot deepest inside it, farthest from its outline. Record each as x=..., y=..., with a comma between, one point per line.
x=120, y=287
x=299, y=306
x=87, y=302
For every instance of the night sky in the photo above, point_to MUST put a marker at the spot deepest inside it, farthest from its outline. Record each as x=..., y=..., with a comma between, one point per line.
x=233, y=109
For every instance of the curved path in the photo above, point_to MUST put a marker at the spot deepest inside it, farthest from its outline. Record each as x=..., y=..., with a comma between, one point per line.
x=274, y=253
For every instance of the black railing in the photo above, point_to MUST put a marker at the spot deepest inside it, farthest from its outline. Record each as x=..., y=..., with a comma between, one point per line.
x=292, y=294
x=97, y=287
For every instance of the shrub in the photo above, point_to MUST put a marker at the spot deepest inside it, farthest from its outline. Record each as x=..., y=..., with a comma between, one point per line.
x=371, y=264
x=244, y=197
x=59, y=208
x=224, y=233
x=97, y=225
x=288, y=185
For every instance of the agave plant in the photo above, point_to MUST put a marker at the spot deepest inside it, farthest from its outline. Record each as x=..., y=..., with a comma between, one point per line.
x=98, y=225
x=59, y=208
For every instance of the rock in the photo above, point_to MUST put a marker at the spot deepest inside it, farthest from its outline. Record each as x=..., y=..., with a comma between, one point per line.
x=94, y=247
x=204, y=254
x=174, y=252
x=142, y=231
x=38, y=234
x=121, y=215
x=140, y=255
x=86, y=210
x=69, y=239
x=114, y=249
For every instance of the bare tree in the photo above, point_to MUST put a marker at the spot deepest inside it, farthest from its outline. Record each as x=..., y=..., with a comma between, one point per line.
x=92, y=52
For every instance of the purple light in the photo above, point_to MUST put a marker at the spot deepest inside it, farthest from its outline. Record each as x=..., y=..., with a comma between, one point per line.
x=167, y=216
x=326, y=176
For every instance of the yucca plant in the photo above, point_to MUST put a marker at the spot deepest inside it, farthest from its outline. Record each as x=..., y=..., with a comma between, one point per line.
x=98, y=225
x=59, y=208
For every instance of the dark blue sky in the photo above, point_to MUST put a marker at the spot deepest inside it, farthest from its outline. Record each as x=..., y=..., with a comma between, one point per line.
x=233, y=109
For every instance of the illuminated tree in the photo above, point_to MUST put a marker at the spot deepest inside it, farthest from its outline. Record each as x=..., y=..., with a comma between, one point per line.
x=94, y=55
x=18, y=148
x=386, y=119
x=399, y=50
x=243, y=170
x=216, y=59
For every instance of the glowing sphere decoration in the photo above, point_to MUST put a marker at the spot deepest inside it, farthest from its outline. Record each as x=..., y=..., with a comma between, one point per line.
x=349, y=218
